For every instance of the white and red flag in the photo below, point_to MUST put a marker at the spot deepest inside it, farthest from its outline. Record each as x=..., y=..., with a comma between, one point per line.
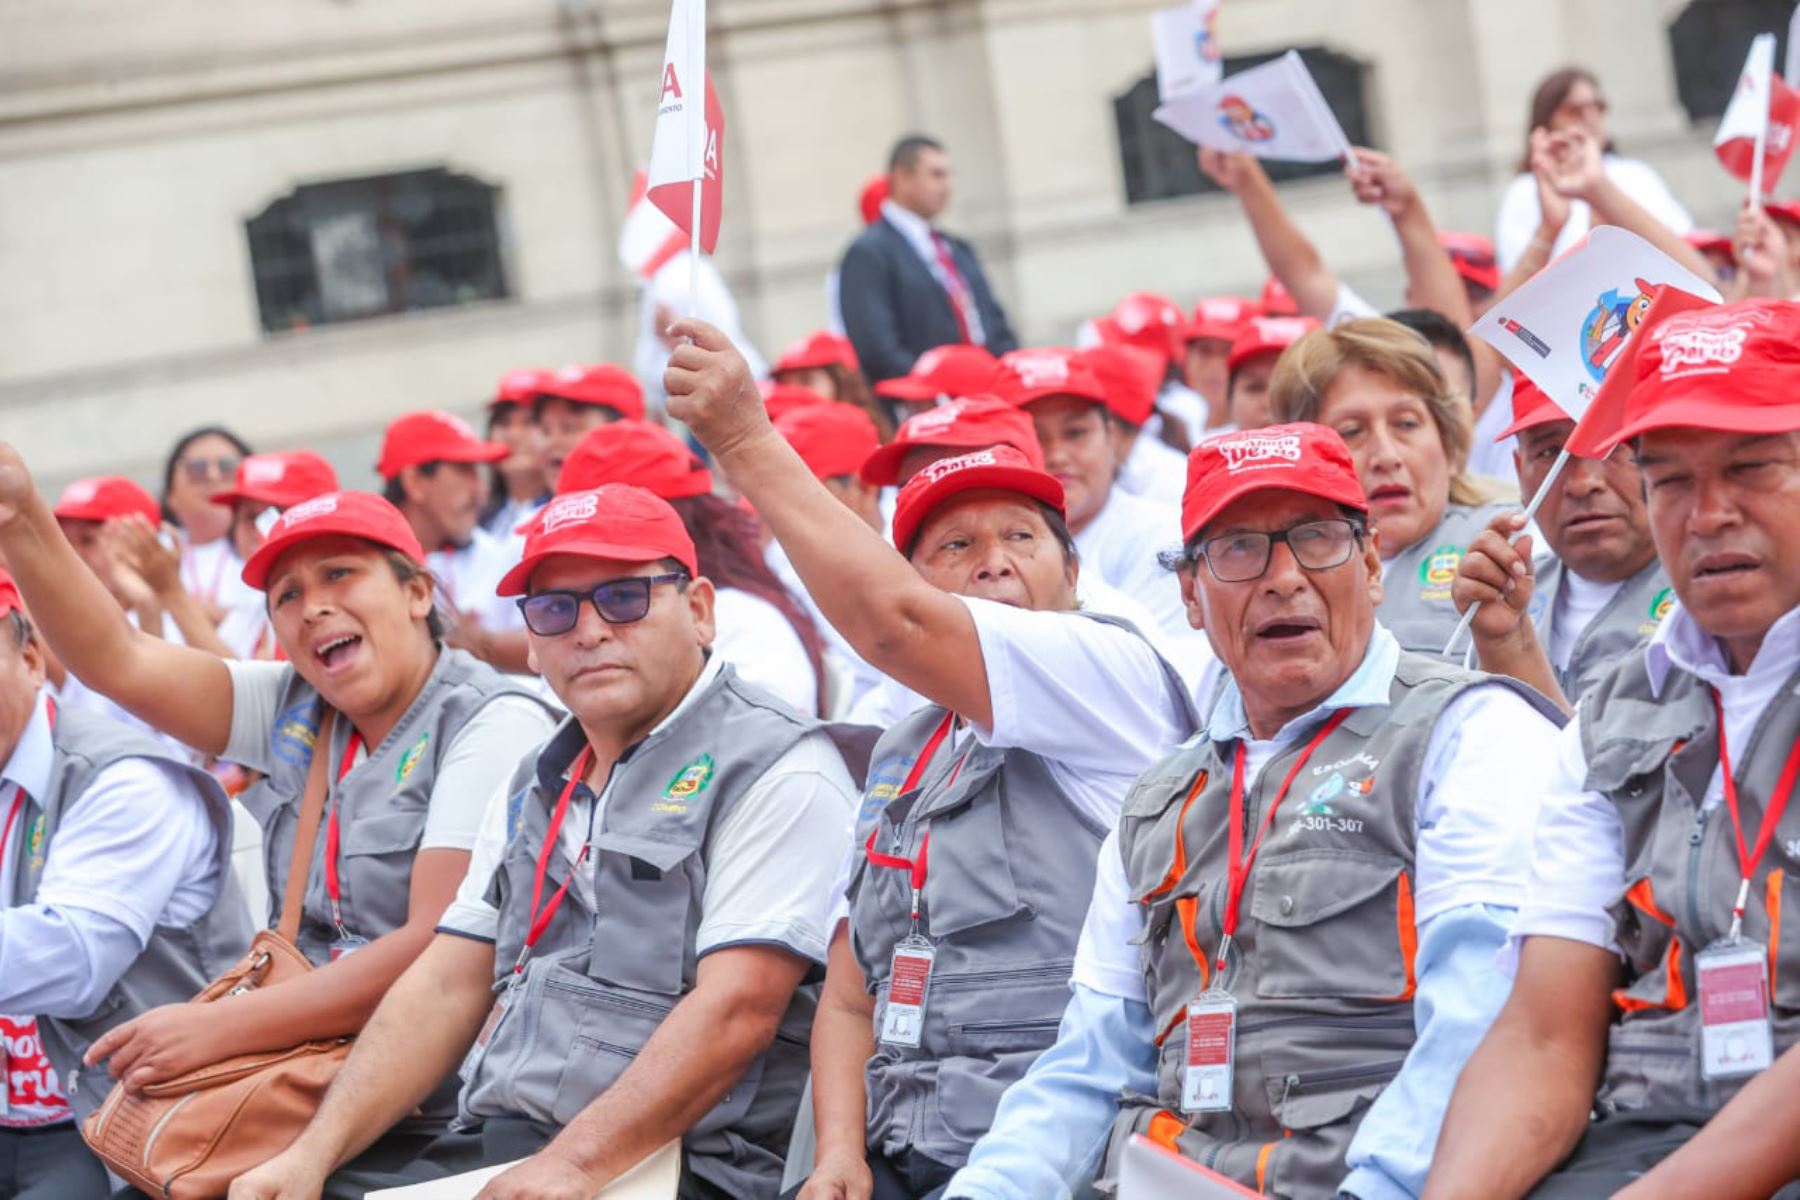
x=648, y=239
x=1187, y=48
x=687, y=171
x=1272, y=111
x=1764, y=115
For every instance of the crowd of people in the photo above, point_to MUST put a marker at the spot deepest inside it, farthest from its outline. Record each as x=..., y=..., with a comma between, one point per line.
x=939, y=767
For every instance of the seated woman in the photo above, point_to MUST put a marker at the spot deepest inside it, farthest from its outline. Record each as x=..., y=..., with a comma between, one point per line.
x=1379, y=385
x=976, y=843
x=419, y=737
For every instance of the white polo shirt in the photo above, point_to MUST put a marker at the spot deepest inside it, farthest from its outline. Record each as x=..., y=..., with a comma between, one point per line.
x=468, y=575
x=752, y=635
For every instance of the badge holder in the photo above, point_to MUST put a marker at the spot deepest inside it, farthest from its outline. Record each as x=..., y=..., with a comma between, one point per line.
x=345, y=943
x=909, y=979
x=1735, y=1035
x=1210, y=1054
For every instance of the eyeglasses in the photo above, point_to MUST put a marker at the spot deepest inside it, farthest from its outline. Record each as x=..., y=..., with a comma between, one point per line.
x=1580, y=108
x=200, y=469
x=618, y=601
x=1317, y=546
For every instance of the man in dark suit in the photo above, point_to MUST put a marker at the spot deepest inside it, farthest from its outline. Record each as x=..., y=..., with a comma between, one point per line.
x=904, y=286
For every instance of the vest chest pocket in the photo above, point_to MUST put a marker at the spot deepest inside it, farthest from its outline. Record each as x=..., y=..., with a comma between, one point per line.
x=643, y=890
x=970, y=881
x=384, y=833
x=1333, y=925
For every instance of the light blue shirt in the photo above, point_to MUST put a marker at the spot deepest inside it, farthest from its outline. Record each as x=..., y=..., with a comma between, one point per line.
x=1053, y=1125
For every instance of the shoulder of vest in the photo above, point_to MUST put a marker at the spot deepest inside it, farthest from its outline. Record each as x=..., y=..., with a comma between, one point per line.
x=1166, y=778
x=1443, y=682
x=1626, y=727
x=744, y=692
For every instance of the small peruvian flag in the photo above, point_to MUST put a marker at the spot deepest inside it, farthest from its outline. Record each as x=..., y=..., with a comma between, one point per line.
x=690, y=130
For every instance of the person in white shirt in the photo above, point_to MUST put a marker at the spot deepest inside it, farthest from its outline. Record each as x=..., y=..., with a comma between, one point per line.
x=518, y=485
x=1665, y=846
x=203, y=464
x=1148, y=467
x=1206, y=345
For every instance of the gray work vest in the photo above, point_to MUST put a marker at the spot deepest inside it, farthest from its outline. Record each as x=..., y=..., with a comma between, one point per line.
x=382, y=802
x=602, y=980
x=1653, y=756
x=1618, y=631
x=180, y=960
x=1010, y=873
x=1322, y=961
x=1415, y=604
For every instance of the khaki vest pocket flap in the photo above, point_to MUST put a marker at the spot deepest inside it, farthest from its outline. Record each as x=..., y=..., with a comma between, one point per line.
x=1312, y=886
x=1317, y=1109
x=664, y=856
x=388, y=833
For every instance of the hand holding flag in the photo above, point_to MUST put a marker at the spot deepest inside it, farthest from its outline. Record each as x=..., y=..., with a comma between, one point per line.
x=1761, y=126
x=1272, y=111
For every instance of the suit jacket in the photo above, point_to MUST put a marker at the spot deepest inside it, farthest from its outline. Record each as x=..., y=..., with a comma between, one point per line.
x=895, y=309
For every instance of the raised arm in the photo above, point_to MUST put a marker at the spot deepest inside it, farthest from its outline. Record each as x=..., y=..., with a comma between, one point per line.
x=1432, y=281
x=181, y=691
x=1578, y=171
x=903, y=626
x=1291, y=256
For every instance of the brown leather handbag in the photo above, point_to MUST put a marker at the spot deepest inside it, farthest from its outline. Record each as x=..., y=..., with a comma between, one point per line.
x=187, y=1138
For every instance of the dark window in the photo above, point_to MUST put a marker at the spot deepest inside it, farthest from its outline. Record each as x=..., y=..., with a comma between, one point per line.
x=1709, y=41
x=359, y=248
x=1159, y=163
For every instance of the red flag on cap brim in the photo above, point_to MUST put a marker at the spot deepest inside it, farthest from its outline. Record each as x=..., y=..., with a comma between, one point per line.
x=685, y=150
x=1595, y=434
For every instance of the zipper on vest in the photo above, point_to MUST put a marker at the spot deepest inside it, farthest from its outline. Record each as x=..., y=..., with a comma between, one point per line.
x=1378, y=1070
x=1327, y=1023
x=1696, y=836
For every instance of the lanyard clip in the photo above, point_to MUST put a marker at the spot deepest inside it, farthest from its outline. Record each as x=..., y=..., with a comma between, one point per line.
x=1224, y=952
x=1737, y=911
x=519, y=963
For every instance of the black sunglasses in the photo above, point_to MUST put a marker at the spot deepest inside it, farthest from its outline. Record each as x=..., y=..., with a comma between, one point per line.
x=618, y=601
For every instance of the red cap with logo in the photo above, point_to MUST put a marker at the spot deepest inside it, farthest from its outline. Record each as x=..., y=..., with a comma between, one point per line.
x=998, y=467
x=780, y=399
x=614, y=521
x=868, y=201
x=640, y=453
x=1301, y=457
x=282, y=480
x=1710, y=241
x=1027, y=376
x=104, y=497
x=433, y=436
x=1732, y=367
x=603, y=384
x=1267, y=335
x=821, y=349
x=336, y=514
x=1530, y=407
x=1473, y=257
x=971, y=423
x=520, y=386
x=832, y=439
x=1129, y=376
x=954, y=370
x=1277, y=301
x=1218, y=318
x=10, y=600
x=1151, y=322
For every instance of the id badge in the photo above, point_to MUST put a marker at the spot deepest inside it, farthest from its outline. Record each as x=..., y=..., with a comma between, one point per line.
x=903, y=1023
x=347, y=945
x=1211, y=1033
x=1734, y=1009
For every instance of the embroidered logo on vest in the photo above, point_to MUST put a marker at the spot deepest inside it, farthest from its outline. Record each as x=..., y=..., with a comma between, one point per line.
x=34, y=842
x=410, y=759
x=294, y=734
x=1346, y=780
x=689, y=782
x=884, y=784
x=1660, y=604
x=1438, y=570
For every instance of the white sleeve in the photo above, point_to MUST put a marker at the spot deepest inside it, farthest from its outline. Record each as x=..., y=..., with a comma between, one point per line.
x=469, y=914
x=753, y=636
x=776, y=853
x=1074, y=690
x=1105, y=958
x=1348, y=306
x=1518, y=221
x=1485, y=766
x=255, y=691
x=482, y=756
x=1577, y=858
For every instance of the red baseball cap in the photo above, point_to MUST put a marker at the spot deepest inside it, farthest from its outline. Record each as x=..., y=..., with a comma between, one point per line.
x=868, y=201
x=433, y=436
x=1277, y=301
x=1710, y=241
x=1151, y=322
x=1027, y=376
x=780, y=399
x=10, y=600
x=1218, y=317
x=999, y=467
x=1787, y=210
x=1473, y=257
x=282, y=480
x=520, y=386
x=1530, y=407
x=603, y=384
x=1267, y=335
x=954, y=370
x=969, y=423
x=1130, y=377
x=832, y=439
x=613, y=521
x=1302, y=457
x=347, y=514
x=105, y=497
x=821, y=349
x=639, y=453
x=1731, y=367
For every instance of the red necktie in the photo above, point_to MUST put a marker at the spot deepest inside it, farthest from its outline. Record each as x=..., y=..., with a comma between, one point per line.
x=953, y=283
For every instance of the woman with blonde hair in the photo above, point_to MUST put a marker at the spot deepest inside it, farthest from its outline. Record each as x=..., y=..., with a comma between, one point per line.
x=1380, y=386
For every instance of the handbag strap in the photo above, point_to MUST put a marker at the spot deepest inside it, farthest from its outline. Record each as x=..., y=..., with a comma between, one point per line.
x=312, y=808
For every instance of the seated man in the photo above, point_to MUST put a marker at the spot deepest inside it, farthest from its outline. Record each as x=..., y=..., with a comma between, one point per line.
x=1287, y=993
x=118, y=897
x=1597, y=594
x=646, y=898
x=1665, y=838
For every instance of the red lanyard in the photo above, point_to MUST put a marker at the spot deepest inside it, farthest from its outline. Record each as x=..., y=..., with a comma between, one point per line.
x=915, y=867
x=1778, y=802
x=541, y=917
x=331, y=832
x=1237, y=867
